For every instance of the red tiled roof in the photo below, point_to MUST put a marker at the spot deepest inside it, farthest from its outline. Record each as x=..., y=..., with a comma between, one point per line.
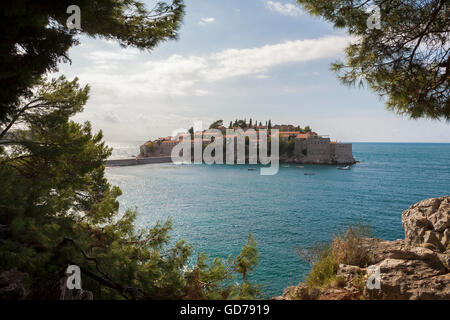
x=303, y=135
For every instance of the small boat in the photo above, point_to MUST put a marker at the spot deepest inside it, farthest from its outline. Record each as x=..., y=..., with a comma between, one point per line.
x=286, y=166
x=344, y=168
x=300, y=167
x=251, y=169
x=309, y=174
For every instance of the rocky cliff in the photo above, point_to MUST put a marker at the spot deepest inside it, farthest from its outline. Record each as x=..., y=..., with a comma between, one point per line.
x=417, y=267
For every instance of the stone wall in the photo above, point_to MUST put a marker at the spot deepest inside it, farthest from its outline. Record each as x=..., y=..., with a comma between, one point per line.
x=342, y=153
x=166, y=148
x=300, y=147
x=318, y=150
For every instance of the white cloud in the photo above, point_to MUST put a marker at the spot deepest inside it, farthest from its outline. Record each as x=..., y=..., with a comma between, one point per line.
x=286, y=9
x=201, y=93
x=108, y=56
x=111, y=117
x=240, y=62
x=130, y=84
x=204, y=21
x=180, y=75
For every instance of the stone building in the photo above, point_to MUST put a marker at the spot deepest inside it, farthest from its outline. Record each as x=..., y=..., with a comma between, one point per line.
x=320, y=149
x=309, y=147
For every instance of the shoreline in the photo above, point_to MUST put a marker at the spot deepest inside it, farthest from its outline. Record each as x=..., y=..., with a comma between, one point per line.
x=136, y=161
x=155, y=160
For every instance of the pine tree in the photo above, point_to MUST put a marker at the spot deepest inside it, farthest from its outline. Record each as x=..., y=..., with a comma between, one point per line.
x=406, y=61
x=58, y=209
x=37, y=37
x=216, y=124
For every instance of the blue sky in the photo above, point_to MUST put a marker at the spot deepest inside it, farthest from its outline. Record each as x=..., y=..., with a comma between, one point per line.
x=236, y=59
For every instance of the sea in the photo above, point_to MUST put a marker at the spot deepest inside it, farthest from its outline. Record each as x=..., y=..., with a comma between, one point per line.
x=215, y=207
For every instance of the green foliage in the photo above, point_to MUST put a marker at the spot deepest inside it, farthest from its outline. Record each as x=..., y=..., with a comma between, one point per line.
x=287, y=147
x=241, y=124
x=57, y=208
x=216, y=124
x=37, y=37
x=407, y=61
x=325, y=257
x=323, y=272
x=248, y=258
x=150, y=147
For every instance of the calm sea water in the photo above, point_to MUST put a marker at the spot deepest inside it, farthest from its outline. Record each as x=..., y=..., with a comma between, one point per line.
x=124, y=149
x=214, y=208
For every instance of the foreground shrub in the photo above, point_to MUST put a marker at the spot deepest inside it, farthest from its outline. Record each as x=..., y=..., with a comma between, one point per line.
x=325, y=258
x=58, y=209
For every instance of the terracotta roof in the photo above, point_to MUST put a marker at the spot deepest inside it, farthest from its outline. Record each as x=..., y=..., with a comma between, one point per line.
x=303, y=135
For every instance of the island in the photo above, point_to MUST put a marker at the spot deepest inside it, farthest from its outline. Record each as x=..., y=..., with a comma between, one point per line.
x=296, y=144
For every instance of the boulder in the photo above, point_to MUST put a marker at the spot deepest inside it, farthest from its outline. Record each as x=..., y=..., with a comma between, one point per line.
x=427, y=223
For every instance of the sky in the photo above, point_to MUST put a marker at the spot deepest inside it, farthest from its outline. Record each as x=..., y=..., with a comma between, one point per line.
x=235, y=59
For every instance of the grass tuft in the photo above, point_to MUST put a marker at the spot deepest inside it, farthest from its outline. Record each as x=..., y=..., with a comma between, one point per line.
x=325, y=258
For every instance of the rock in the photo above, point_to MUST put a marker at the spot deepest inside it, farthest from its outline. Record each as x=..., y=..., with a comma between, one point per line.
x=349, y=270
x=445, y=240
x=299, y=292
x=314, y=294
x=411, y=279
x=406, y=272
x=431, y=241
x=428, y=222
x=337, y=294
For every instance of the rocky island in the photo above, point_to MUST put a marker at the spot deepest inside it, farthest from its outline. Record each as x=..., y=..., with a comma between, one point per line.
x=297, y=145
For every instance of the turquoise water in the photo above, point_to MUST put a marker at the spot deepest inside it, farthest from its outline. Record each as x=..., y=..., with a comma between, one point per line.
x=215, y=207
